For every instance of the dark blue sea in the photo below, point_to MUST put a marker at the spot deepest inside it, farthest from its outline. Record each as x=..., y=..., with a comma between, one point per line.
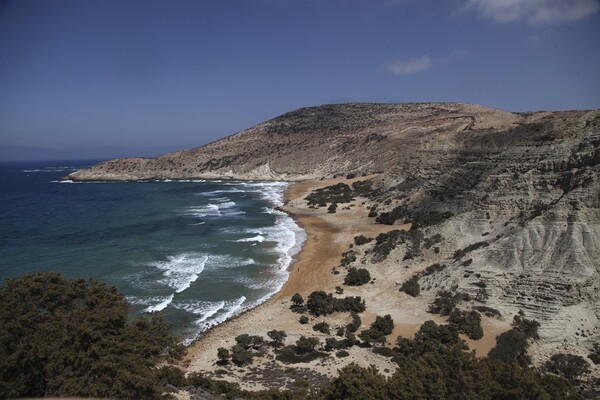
x=198, y=252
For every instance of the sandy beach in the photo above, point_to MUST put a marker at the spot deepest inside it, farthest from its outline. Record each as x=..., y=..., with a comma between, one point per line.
x=328, y=236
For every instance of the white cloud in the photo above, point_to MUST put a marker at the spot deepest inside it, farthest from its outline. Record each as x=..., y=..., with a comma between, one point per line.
x=415, y=64
x=535, y=11
x=454, y=56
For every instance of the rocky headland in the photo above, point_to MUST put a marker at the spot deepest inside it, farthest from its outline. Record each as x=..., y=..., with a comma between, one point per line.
x=500, y=208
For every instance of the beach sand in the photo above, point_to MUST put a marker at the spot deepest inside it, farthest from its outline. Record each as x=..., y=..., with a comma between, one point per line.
x=328, y=236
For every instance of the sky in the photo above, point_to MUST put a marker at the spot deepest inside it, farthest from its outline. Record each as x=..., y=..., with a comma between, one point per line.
x=141, y=77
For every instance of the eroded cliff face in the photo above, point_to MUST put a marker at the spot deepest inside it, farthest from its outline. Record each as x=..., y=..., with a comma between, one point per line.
x=525, y=186
x=527, y=199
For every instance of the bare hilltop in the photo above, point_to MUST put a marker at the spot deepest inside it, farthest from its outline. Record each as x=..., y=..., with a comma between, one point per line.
x=497, y=211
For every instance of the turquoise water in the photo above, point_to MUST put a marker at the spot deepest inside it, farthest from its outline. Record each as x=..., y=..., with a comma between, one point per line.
x=198, y=252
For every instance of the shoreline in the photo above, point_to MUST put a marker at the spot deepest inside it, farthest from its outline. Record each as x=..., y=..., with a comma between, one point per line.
x=315, y=228
x=327, y=237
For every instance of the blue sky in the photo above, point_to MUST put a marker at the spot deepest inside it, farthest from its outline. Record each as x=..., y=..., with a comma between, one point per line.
x=160, y=75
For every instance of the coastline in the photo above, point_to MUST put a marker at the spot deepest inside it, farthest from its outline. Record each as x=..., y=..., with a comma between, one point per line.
x=327, y=237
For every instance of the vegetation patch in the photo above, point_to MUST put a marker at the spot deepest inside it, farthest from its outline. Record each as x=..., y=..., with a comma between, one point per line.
x=355, y=324
x=467, y=322
x=342, y=354
x=384, y=351
x=461, y=253
x=360, y=240
x=348, y=258
x=570, y=366
x=387, y=241
x=488, y=311
x=320, y=303
x=380, y=328
x=303, y=351
x=511, y=346
x=322, y=327
x=365, y=189
x=338, y=193
x=411, y=286
x=417, y=218
x=357, y=277
x=445, y=302
x=48, y=322
x=277, y=337
x=595, y=354
x=433, y=268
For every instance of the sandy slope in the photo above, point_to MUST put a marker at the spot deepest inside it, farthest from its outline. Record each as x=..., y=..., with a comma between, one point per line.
x=328, y=236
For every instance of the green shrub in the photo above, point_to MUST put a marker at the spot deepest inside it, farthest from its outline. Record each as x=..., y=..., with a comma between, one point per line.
x=322, y=327
x=595, y=354
x=297, y=299
x=379, y=329
x=289, y=355
x=247, y=341
x=168, y=374
x=384, y=351
x=299, y=309
x=360, y=240
x=417, y=218
x=223, y=354
x=321, y=303
x=241, y=355
x=332, y=208
x=334, y=344
x=306, y=344
x=433, y=268
x=355, y=324
x=342, y=354
x=447, y=373
x=431, y=337
x=444, y=303
x=467, y=322
x=488, y=311
x=511, y=346
x=568, y=365
x=338, y=193
x=48, y=322
x=411, y=287
x=461, y=253
x=277, y=337
x=529, y=327
x=357, y=277
x=303, y=320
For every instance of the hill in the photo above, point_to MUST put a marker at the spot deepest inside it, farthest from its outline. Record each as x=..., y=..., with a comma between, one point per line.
x=507, y=205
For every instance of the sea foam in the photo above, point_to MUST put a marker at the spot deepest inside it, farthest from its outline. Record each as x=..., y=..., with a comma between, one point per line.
x=182, y=270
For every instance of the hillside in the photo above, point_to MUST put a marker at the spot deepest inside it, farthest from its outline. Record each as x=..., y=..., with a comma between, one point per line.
x=317, y=142
x=509, y=202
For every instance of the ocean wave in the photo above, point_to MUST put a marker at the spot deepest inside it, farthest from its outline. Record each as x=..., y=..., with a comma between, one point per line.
x=211, y=314
x=205, y=309
x=227, y=208
x=182, y=270
x=154, y=303
x=220, y=191
x=257, y=238
x=227, y=261
x=161, y=305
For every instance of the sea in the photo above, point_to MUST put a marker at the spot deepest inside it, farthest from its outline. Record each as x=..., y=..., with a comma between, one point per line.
x=198, y=252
